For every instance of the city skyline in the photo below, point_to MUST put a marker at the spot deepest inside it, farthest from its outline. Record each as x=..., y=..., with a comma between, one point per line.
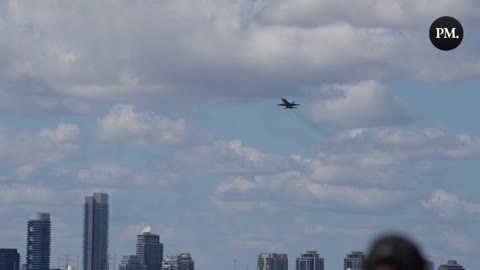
x=170, y=107
x=150, y=250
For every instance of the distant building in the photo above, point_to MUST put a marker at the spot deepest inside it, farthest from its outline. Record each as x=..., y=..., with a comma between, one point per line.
x=95, y=232
x=149, y=250
x=9, y=259
x=185, y=262
x=451, y=265
x=272, y=261
x=130, y=262
x=310, y=260
x=38, y=242
x=170, y=263
x=354, y=261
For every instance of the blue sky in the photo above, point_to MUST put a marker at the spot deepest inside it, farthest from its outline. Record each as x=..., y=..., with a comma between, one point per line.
x=170, y=107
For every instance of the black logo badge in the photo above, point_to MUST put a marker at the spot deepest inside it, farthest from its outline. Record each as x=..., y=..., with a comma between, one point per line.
x=446, y=33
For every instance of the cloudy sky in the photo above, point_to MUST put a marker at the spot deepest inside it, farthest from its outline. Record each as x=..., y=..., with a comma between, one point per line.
x=170, y=107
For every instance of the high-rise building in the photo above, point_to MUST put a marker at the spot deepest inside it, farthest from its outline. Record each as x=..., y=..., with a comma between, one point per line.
x=130, y=262
x=9, y=259
x=149, y=249
x=170, y=263
x=272, y=261
x=451, y=265
x=38, y=242
x=185, y=262
x=310, y=260
x=95, y=232
x=354, y=261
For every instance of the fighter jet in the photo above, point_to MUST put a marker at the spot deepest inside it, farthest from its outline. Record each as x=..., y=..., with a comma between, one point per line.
x=288, y=105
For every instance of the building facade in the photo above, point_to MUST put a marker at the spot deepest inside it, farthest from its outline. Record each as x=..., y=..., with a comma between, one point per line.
x=130, y=262
x=95, y=232
x=38, y=242
x=150, y=250
x=451, y=265
x=272, y=261
x=185, y=262
x=354, y=261
x=9, y=259
x=310, y=260
x=170, y=263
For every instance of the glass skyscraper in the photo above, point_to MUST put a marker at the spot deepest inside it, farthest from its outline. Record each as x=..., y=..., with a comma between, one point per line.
x=310, y=260
x=185, y=262
x=130, y=262
x=354, y=261
x=272, y=261
x=95, y=232
x=150, y=250
x=38, y=242
x=9, y=259
x=170, y=263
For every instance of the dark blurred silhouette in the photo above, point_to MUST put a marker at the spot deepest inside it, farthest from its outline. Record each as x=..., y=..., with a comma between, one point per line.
x=394, y=252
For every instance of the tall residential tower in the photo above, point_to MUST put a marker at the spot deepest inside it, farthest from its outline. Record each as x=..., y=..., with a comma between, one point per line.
x=272, y=261
x=310, y=260
x=95, y=232
x=38, y=242
x=9, y=259
x=354, y=261
x=149, y=249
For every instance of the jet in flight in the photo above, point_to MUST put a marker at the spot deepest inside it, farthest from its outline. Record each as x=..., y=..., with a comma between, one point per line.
x=288, y=105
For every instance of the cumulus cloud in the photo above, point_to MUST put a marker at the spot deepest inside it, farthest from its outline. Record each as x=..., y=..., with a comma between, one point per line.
x=397, y=13
x=124, y=124
x=45, y=146
x=364, y=104
x=27, y=95
x=294, y=188
x=447, y=204
x=182, y=50
x=103, y=174
x=110, y=175
x=22, y=194
x=229, y=156
x=411, y=144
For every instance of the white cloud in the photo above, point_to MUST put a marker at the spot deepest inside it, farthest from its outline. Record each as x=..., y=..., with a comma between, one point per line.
x=124, y=124
x=25, y=171
x=411, y=144
x=63, y=133
x=21, y=194
x=395, y=13
x=166, y=50
x=102, y=174
x=229, y=156
x=364, y=104
x=46, y=146
x=244, y=194
x=447, y=204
